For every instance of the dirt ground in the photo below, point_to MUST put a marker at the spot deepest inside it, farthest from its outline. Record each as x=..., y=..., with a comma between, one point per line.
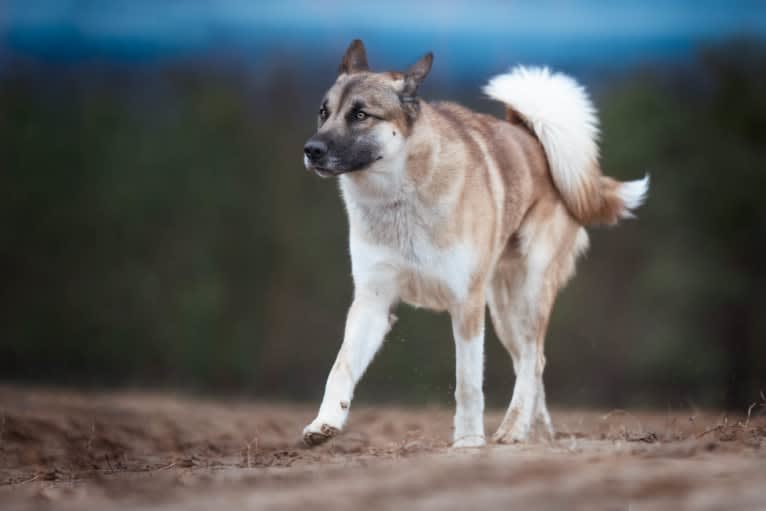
x=138, y=451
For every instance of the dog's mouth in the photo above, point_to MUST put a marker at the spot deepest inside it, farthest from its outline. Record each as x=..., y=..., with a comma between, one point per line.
x=325, y=172
x=319, y=170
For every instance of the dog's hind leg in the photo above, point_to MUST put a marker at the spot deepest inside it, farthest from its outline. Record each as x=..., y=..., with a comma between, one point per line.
x=536, y=263
x=517, y=320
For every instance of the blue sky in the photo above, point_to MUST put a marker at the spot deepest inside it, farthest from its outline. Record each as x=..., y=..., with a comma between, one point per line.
x=463, y=34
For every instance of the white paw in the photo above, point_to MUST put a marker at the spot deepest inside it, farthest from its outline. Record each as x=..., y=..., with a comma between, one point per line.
x=469, y=441
x=516, y=433
x=318, y=432
x=509, y=437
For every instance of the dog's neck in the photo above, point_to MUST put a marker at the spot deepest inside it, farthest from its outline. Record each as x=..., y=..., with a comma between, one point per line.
x=385, y=182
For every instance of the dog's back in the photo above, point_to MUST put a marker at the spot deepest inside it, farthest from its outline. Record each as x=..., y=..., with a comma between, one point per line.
x=501, y=151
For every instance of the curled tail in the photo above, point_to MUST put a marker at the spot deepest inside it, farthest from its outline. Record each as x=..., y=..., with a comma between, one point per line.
x=558, y=110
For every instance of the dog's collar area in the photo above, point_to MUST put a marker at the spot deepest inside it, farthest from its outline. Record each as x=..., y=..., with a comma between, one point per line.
x=408, y=99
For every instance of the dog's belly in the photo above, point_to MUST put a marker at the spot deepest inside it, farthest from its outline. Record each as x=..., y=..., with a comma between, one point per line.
x=420, y=290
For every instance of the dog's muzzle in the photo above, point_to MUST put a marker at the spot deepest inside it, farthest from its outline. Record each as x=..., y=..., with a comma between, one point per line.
x=314, y=155
x=315, y=150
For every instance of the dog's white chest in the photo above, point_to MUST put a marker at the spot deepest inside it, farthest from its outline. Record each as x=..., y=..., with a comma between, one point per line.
x=395, y=246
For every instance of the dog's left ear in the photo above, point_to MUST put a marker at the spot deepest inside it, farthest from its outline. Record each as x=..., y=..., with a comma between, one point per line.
x=416, y=74
x=355, y=59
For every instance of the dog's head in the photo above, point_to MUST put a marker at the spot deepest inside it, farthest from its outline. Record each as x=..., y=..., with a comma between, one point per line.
x=365, y=117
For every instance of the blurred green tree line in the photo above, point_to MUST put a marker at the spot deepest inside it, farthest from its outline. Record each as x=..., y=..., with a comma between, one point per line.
x=158, y=229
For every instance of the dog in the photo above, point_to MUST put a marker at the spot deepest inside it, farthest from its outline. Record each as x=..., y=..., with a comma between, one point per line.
x=455, y=211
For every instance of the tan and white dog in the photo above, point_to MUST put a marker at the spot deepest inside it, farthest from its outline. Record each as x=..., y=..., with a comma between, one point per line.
x=454, y=210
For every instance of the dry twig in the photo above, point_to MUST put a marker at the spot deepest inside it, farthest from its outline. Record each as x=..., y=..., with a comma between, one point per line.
x=91, y=437
x=33, y=478
x=717, y=427
x=168, y=466
x=249, y=450
x=749, y=411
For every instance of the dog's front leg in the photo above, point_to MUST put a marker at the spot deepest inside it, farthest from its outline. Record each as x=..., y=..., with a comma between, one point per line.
x=468, y=329
x=367, y=324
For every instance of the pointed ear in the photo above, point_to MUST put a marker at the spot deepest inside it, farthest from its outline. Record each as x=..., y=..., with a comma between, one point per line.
x=416, y=74
x=355, y=59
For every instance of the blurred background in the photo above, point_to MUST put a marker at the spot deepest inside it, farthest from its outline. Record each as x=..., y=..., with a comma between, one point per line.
x=157, y=228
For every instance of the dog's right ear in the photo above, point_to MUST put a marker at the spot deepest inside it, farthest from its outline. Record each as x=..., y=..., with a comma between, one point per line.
x=355, y=59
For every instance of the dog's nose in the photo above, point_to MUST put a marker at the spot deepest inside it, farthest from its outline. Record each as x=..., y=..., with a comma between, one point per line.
x=315, y=149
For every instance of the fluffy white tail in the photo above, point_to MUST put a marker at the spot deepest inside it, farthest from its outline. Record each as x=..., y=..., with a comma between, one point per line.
x=558, y=110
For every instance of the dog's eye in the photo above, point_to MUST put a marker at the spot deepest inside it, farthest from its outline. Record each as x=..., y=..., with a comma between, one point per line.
x=323, y=113
x=360, y=116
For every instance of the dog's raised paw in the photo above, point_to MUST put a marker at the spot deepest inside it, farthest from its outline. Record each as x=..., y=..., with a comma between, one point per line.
x=312, y=438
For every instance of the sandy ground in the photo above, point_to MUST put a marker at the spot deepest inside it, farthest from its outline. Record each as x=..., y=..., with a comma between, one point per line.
x=137, y=451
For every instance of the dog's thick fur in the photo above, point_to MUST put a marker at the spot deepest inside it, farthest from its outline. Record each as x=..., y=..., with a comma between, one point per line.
x=454, y=210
